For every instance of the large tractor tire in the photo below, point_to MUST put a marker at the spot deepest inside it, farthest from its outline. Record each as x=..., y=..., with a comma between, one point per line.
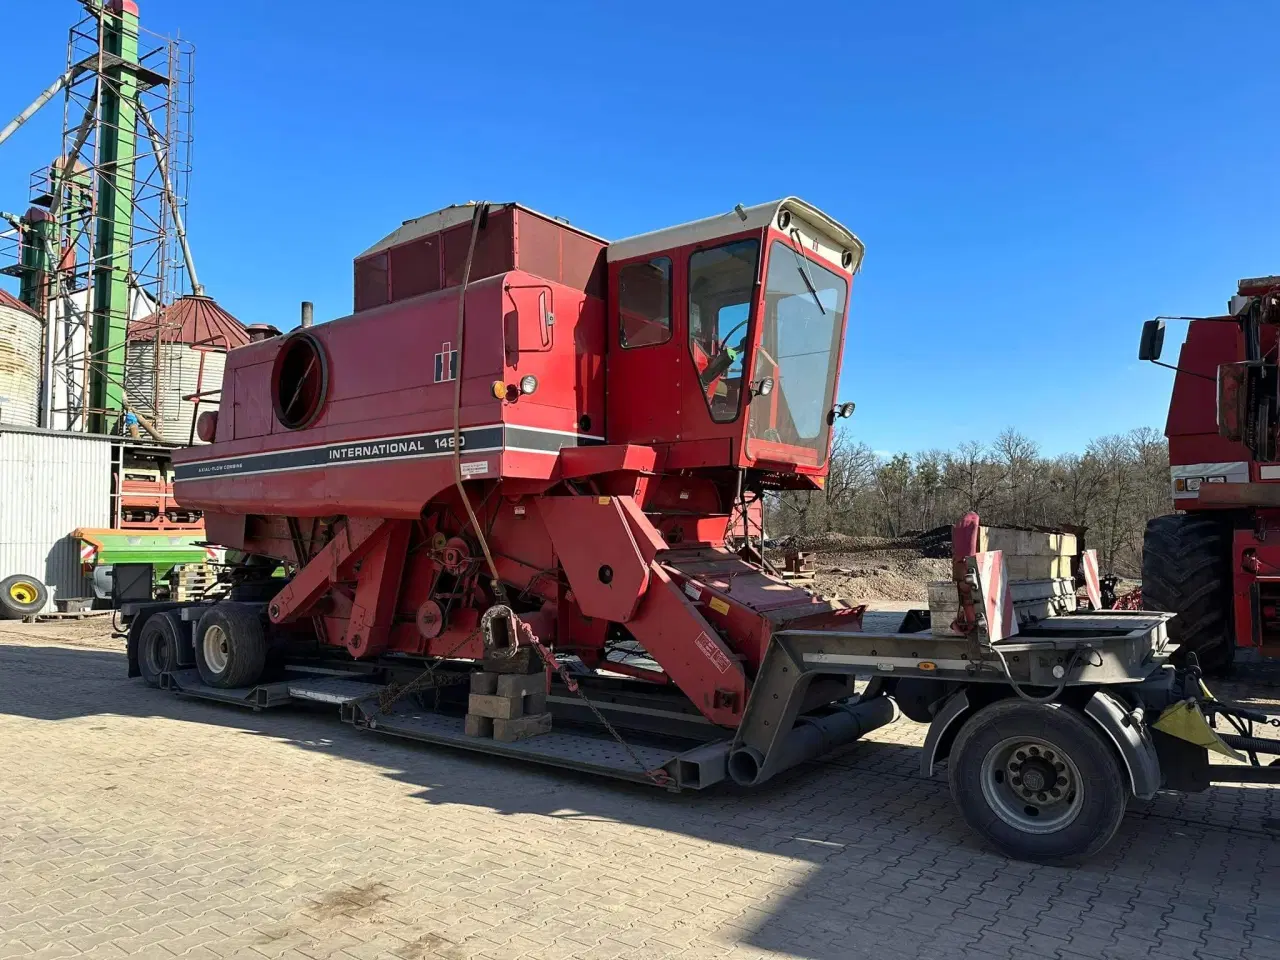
x=1186, y=570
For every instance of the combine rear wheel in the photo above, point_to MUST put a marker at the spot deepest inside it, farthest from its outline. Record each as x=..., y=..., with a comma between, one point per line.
x=1185, y=571
x=230, y=646
x=1037, y=781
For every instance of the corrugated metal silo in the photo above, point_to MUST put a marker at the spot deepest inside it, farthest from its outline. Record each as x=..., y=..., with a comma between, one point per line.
x=21, y=336
x=193, y=335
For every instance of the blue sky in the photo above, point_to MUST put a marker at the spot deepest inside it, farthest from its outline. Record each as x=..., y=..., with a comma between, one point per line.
x=1031, y=180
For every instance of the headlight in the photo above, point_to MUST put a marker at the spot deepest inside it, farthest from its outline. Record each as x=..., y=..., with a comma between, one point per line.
x=528, y=384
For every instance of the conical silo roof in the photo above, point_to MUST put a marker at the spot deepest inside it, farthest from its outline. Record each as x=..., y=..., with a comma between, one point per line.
x=193, y=320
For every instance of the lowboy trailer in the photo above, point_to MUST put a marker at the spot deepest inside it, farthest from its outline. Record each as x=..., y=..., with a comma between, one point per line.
x=502, y=492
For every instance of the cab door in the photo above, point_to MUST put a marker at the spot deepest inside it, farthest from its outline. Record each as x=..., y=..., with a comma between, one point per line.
x=722, y=284
x=644, y=359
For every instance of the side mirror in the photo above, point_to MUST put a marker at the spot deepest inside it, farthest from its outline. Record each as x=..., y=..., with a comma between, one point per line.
x=1152, y=342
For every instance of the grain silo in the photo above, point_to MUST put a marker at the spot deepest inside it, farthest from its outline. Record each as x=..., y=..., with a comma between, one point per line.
x=21, y=337
x=192, y=336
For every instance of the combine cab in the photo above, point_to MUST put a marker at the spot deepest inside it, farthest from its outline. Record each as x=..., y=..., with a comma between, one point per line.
x=512, y=498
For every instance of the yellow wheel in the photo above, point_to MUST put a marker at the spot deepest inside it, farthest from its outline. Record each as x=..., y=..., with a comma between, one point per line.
x=21, y=596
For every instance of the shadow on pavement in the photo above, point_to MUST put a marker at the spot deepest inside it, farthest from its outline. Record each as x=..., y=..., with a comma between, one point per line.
x=889, y=861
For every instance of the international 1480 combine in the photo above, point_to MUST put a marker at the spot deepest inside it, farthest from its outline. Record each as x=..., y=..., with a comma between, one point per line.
x=493, y=508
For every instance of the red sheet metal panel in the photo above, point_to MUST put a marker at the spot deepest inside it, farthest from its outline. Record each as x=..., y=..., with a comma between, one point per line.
x=607, y=572
x=372, y=282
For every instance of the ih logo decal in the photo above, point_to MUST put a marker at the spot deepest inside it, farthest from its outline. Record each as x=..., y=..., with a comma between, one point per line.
x=446, y=363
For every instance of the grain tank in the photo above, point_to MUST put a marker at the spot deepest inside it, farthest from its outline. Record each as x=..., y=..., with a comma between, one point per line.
x=21, y=335
x=192, y=336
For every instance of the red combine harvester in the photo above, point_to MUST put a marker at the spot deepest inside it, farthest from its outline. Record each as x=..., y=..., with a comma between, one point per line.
x=501, y=496
x=1217, y=563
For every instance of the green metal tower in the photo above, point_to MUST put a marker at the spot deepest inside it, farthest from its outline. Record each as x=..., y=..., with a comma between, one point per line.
x=113, y=240
x=106, y=242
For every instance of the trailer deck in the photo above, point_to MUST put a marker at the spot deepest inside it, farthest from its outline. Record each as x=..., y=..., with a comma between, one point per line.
x=358, y=702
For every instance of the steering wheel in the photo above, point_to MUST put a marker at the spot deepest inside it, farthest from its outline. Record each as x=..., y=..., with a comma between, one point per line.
x=721, y=362
x=724, y=357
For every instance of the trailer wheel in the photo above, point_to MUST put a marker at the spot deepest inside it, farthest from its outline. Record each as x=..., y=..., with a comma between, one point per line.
x=1037, y=781
x=1185, y=571
x=157, y=648
x=21, y=596
x=230, y=646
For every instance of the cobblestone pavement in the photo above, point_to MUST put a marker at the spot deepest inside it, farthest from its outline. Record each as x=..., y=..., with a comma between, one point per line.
x=135, y=823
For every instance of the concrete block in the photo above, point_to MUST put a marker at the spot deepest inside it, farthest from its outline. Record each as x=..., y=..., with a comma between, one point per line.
x=944, y=604
x=1004, y=539
x=484, y=683
x=535, y=703
x=515, y=685
x=1038, y=568
x=942, y=592
x=477, y=726
x=521, y=728
x=499, y=708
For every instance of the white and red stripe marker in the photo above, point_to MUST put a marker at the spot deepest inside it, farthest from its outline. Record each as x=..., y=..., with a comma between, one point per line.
x=1089, y=564
x=87, y=552
x=997, y=599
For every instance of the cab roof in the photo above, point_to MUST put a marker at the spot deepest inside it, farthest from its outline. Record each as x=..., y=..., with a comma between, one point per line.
x=726, y=224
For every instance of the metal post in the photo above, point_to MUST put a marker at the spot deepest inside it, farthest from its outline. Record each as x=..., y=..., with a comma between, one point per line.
x=308, y=313
x=114, y=238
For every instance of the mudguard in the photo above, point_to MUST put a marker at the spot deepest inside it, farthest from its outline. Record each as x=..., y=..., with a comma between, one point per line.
x=1131, y=740
x=943, y=730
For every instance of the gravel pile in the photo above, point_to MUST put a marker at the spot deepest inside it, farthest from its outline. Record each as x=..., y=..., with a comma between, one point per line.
x=873, y=568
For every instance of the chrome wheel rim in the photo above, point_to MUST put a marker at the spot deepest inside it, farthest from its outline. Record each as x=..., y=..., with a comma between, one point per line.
x=1032, y=785
x=217, y=648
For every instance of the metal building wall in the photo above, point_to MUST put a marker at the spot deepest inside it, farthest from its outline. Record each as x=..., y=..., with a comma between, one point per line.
x=50, y=484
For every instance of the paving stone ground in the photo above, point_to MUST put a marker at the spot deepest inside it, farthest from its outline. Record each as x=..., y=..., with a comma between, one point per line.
x=135, y=823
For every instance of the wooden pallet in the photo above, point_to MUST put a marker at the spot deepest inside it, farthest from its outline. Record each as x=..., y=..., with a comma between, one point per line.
x=191, y=581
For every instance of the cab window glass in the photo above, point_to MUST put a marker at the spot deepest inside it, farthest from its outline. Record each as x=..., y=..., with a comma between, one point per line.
x=721, y=281
x=644, y=303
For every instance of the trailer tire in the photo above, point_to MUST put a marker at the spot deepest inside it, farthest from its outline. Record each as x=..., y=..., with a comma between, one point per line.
x=230, y=646
x=1007, y=751
x=1185, y=570
x=21, y=596
x=157, y=648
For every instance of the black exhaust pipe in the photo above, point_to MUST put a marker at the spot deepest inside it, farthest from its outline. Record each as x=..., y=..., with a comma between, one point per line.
x=811, y=737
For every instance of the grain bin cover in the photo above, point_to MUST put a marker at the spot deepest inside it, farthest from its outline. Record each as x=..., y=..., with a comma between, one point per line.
x=21, y=335
x=192, y=336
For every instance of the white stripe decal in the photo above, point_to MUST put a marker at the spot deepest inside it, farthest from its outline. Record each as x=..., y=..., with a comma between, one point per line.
x=488, y=438
x=1192, y=475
